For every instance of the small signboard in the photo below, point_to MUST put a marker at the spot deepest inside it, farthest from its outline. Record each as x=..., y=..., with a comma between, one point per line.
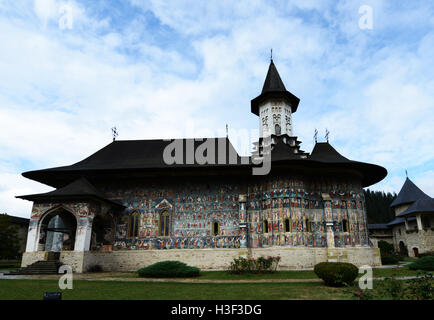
x=52, y=296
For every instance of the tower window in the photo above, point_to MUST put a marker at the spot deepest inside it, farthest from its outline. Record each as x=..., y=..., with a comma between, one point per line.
x=165, y=224
x=133, y=225
x=215, y=229
x=278, y=130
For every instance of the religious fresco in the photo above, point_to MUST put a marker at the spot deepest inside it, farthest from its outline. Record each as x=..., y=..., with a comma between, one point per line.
x=193, y=208
x=79, y=209
x=295, y=204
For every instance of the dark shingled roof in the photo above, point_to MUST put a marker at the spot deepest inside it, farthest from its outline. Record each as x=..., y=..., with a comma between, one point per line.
x=409, y=193
x=274, y=88
x=146, y=156
x=273, y=82
x=79, y=188
x=378, y=226
x=399, y=220
x=421, y=205
x=324, y=152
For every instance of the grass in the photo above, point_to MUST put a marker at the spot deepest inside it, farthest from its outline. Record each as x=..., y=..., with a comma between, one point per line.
x=105, y=290
x=302, y=274
x=9, y=265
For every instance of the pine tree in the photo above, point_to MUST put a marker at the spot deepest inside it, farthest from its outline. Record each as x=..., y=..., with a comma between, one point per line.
x=378, y=207
x=9, y=239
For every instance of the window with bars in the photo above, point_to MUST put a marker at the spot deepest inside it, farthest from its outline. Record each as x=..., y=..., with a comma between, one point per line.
x=165, y=224
x=133, y=225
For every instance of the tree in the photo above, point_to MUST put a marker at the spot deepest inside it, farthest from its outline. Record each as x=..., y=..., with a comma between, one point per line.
x=378, y=207
x=9, y=239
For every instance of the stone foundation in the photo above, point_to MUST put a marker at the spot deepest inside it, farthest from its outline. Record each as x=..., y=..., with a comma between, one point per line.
x=210, y=259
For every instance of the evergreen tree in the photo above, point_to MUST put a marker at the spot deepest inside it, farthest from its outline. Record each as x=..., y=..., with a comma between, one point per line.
x=378, y=207
x=9, y=239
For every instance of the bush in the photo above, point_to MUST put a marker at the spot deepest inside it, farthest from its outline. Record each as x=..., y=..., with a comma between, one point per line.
x=260, y=265
x=426, y=254
x=169, y=269
x=420, y=288
x=424, y=263
x=392, y=259
x=385, y=248
x=94, y=268
x=336, y=274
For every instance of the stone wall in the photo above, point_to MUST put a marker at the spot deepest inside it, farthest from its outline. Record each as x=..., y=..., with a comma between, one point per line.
x=220, y=259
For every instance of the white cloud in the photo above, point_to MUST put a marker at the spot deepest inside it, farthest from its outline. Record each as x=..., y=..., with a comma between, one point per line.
x=62, y=90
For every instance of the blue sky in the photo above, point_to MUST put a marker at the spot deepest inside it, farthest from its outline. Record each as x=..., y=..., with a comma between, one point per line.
x=168, y=69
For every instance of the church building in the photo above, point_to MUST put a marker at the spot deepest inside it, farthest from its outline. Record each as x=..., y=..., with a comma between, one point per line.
x=413, y=227
x=134, y=203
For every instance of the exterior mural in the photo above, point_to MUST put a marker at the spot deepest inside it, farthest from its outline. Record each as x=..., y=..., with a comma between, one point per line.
x=293, y=211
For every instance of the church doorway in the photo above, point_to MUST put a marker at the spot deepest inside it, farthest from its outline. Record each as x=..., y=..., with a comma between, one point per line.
x=416, y=252
x=57, y=231
x=403, y=249
x=102, y=235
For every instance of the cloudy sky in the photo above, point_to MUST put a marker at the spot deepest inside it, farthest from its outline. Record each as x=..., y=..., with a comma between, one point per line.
x=71, y=70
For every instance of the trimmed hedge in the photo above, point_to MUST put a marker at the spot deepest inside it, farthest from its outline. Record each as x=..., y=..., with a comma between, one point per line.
x=169, y=269
x=336, y=274
x=425, y=263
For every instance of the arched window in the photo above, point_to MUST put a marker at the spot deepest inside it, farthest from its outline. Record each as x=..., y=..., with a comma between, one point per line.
x=164, y=224
x=133, y=225
x=215, y=229
x=345, y=225
x=278, y=130
x=265, y=226
x=287, y=225
x=308, y=225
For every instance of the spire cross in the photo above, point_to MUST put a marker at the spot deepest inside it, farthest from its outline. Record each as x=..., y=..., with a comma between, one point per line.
x=114, y=133
x=327, y=135
x=271, y=56
x=315, y=136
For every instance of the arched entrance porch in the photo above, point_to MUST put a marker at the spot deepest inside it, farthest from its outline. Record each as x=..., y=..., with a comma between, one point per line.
x=57, y=231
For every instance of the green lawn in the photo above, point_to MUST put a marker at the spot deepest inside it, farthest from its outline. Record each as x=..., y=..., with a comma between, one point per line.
x=304, y=274
x=109, y=290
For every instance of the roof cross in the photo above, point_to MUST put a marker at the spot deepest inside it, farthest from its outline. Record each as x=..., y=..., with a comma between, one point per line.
x=115, y=133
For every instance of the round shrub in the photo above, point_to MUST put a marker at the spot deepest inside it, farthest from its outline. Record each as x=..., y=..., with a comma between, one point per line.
x=392, y=259
x=169, y=269
x=336, y=274
x=425, y=263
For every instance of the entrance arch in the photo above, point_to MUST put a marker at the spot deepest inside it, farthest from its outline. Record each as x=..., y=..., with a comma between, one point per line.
x=403, y=249
x=57, y=231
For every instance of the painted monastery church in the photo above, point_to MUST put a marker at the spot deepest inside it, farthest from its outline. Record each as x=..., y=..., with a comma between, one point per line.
x=125, y=207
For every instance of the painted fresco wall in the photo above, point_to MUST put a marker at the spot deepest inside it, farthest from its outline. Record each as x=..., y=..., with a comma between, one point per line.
x=195, y=206
x=301, y=201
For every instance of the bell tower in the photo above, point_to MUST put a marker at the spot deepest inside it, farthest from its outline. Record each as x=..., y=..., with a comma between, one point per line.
x=274, y=106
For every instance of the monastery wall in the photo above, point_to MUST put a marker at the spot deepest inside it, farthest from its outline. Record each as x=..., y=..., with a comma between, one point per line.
x=210, y=259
